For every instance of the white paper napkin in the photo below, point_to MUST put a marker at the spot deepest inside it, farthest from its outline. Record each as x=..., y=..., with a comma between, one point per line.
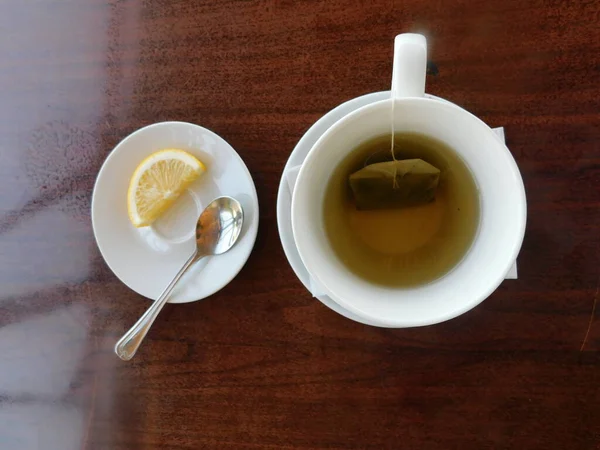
x=291, y=175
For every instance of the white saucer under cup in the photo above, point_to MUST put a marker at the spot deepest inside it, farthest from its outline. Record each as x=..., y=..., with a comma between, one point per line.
x=284, y=196
x=146, y=259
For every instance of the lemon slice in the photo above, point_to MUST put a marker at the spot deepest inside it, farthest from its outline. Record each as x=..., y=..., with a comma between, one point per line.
x=158, y=181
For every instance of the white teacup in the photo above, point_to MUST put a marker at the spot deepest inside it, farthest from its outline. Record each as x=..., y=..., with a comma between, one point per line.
x=501, y=193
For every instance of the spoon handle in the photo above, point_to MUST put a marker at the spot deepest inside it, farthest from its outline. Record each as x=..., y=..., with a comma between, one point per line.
x=126, y=347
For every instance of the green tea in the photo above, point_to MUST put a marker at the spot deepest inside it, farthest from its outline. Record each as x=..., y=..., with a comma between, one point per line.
x=411, y=245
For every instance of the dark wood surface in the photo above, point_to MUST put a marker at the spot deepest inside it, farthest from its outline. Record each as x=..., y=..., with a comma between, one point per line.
x=261, y=364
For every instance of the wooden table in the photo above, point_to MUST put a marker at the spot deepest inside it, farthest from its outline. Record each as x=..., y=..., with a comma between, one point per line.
x=261, y=364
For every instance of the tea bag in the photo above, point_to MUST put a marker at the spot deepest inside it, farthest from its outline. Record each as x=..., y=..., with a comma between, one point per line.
x=394, y=184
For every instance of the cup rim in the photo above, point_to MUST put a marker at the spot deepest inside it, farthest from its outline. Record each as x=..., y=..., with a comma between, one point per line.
x=510, y=257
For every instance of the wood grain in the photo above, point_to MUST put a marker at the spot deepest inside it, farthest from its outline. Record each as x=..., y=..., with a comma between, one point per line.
x=261, y=364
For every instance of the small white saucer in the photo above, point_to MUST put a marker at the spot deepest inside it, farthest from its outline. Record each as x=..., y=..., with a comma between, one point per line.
x=146, y=259
x=284, y=196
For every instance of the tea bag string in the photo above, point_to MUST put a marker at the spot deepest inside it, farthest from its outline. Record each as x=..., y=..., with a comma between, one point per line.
x=395, y=182
x=392, y=143
x=392, y=126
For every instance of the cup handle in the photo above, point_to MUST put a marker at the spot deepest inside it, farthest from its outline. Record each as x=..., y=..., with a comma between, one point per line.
x=410, y=65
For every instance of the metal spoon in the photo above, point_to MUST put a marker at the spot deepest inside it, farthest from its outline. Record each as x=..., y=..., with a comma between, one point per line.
x=217, y=230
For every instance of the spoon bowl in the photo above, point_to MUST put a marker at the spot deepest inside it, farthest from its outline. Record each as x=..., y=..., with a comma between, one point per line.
x=219, y=226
